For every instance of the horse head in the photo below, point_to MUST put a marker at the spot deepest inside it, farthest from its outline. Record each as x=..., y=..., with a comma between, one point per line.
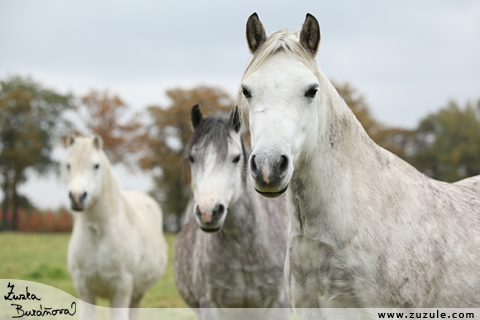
x=279, y=90
x=215, y=156
x=82, y=168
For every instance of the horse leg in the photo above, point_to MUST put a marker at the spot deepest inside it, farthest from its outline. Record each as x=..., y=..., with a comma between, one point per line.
x=87, y=308
x=134, y=307
x=120, y=300
x=280, y=313
x=207, y=314
x=87, y=302
x=207, y=310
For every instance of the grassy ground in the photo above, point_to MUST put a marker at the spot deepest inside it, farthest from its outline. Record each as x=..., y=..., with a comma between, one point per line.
x=42, y=257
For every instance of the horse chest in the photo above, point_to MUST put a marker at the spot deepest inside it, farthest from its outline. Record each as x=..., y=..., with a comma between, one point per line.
x=316, y=277
x=242, y=291
x=234, y=284
x=316, y=274
x=93, y=258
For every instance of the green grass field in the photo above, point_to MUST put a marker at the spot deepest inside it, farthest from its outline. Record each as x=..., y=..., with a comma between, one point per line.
x=42, y=257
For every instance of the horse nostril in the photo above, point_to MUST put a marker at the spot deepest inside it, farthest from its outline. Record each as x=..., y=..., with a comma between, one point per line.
x=197, y=211
x=70, y=195
x=253, y=166
x=283, y=166
x=218, y=210
x=83, y=196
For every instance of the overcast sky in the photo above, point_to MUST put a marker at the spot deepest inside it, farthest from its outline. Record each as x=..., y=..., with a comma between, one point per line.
x=407, y=58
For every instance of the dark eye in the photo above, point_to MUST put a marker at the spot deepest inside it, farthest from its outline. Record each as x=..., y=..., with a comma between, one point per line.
x=246, y=93
x=192, y=160
x=311, y=92
x=96, y=166
x=68, y=166
x=236, y=159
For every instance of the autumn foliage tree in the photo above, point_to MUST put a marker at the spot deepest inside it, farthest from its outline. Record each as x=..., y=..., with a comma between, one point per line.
x=109, y=116
x=166, y=137
x=447, y=142
x=31, y=121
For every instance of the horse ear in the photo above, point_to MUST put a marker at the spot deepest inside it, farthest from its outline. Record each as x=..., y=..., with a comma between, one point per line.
x=310, y=34
x=256, y=35
x=71, y=139
x=98, y=142
x=234, y=119
x=196, y=116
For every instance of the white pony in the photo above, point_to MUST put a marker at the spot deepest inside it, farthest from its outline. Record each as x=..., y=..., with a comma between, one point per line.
x=117, y=249
x=366, y=228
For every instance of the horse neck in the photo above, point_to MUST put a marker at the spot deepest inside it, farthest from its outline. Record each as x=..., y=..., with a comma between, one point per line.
x=242, y=216
x=340, y=133
x=343, y=159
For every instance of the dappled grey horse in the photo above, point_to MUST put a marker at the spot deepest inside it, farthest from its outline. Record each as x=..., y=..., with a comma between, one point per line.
x=230, y=252
x=366, y=228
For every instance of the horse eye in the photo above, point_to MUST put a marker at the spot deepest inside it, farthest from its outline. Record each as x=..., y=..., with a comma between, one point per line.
x=68, y=166
x=192, y=160
x=236, y=159
x=246, y=93
x=311, y=92
x=96, y=166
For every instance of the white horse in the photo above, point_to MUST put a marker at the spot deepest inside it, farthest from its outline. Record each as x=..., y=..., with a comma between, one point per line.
x=366, y=228
x=117, y=249
x=230, y=252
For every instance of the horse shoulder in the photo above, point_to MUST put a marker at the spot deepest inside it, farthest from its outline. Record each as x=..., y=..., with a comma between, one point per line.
x=81, y=256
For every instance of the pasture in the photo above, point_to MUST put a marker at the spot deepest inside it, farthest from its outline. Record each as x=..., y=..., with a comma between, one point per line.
x=42, y=257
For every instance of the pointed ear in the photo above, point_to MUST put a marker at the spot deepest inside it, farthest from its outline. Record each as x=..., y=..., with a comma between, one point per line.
x=71, y=139
x=235, y=120
x=98, y=142
x=256, y=35
x=310, y=35
x=196, y=116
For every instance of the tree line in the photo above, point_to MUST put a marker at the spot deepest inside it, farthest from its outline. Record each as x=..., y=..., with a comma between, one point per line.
x=444, y=145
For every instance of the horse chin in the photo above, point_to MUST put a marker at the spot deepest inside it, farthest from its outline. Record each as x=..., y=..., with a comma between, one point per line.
x=77, y=208
x=210, y=230
x=269, y=194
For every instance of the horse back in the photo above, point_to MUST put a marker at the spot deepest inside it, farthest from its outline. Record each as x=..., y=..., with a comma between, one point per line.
x=472, y=183
x=143, y=204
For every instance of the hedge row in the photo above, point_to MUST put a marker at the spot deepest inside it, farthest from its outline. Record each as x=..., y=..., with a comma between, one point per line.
x=40, y=221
